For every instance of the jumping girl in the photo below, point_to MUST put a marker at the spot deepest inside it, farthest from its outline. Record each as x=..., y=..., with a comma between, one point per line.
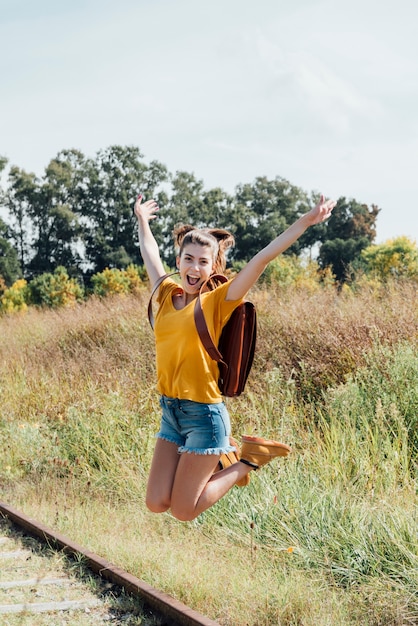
x=194, y=438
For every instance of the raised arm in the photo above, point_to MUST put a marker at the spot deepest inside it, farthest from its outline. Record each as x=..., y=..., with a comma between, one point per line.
x=149, y=249
x=250, y=273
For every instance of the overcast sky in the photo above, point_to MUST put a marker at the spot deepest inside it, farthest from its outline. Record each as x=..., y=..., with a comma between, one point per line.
x=323, y=93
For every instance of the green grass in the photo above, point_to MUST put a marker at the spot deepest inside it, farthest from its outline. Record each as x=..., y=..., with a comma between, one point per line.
x=327, y=536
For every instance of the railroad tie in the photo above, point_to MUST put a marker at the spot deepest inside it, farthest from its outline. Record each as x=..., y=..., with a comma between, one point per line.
x=31, y=571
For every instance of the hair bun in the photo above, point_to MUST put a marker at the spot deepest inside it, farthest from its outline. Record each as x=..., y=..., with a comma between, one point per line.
x=225, y=238
x=179, y=233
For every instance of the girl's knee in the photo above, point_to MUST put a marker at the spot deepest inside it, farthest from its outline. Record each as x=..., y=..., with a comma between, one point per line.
x=156, y=507
x=183, y=514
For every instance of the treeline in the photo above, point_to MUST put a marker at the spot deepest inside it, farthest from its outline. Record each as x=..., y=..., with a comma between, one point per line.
x=78, y=216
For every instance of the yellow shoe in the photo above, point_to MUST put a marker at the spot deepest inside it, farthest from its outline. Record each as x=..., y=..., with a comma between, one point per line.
x=229, y=458
x=256, y=452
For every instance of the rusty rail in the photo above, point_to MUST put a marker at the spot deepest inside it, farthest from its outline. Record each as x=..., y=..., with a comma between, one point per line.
x=158, y=600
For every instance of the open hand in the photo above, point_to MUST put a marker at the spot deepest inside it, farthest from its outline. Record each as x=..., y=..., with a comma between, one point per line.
x=145, y=210
x=322, y=211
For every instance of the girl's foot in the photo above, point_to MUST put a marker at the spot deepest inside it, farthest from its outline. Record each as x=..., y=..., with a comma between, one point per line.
x=256, y=452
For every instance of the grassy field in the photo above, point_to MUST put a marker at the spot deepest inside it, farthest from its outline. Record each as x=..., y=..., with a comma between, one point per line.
x=325, y=537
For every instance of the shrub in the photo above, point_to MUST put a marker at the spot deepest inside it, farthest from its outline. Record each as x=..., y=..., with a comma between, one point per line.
x=136, y=276
x=393, y=259
x=14, y=298
x=293, y=271
x=54, y=290
x=114, y=281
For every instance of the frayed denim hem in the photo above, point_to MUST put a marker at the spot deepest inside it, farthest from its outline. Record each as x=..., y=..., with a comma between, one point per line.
x=168, y=438
x=202, y=451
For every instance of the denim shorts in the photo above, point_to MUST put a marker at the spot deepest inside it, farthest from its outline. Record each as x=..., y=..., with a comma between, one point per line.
x=195, y=426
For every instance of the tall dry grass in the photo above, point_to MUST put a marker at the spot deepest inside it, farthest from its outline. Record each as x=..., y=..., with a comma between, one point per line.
x=317, y=338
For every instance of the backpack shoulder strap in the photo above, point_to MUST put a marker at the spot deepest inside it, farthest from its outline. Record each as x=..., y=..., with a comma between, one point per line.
x=202, y=327
x=154, y=289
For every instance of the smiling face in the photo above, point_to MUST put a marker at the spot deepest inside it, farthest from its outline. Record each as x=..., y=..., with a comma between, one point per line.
x=195, y=265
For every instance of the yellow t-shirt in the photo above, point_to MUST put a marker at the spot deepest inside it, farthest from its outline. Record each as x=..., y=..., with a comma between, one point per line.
x=184, y=368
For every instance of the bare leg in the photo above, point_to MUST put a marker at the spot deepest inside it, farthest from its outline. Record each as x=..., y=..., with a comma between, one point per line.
x=161, y=478
x=196, y=488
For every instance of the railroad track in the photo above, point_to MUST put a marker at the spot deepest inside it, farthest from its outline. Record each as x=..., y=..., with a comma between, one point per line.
x=37, y=587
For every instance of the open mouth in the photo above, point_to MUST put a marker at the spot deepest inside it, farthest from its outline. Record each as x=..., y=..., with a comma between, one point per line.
x=193, y=280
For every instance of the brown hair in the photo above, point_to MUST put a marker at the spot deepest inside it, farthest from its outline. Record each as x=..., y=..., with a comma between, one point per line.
x=218, y=240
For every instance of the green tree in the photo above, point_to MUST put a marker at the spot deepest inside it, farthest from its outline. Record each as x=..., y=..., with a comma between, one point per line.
x=17, y=200
x=105, y=201
x=9, y=262
x=57, y=222
x=3, y=162
x=263, y=210
x=44, y=225
x=79, y=214
x=349, y=230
